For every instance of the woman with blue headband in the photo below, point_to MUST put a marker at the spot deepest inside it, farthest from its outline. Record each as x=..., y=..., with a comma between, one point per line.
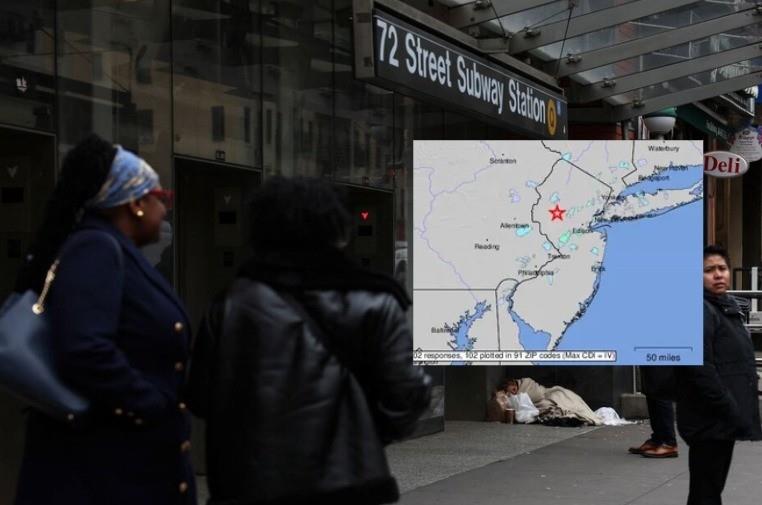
x=121, y=339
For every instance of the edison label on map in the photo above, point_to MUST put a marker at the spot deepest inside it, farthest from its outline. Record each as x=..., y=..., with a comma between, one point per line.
x=558, y=252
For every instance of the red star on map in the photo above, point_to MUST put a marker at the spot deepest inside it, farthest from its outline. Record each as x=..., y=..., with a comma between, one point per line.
x=557, y=213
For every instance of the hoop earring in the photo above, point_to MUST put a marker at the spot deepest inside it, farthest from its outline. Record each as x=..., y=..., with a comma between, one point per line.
x=140, y=213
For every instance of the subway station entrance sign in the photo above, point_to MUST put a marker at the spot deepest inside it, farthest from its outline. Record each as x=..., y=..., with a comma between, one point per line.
x=424, y=65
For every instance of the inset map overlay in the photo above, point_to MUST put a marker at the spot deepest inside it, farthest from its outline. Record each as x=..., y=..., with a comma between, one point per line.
x=563, y=252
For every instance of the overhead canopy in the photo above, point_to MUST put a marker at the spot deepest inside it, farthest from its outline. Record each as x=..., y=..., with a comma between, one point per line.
x=618, y=59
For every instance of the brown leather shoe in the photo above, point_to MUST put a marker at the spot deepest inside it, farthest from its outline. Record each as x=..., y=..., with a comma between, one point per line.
x=662, y=451
x=645, y=446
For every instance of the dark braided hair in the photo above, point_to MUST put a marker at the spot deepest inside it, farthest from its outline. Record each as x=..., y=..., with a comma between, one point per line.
x=82, y=175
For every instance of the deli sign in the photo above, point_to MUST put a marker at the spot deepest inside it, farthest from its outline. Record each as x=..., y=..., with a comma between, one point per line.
x=724, y=164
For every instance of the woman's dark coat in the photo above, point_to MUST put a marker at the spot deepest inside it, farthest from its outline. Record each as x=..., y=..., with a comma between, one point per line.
x=299, y=405
x=121, y=339
x=718, y=401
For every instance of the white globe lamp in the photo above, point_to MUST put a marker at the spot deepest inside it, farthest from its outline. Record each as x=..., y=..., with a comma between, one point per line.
x=660, y=123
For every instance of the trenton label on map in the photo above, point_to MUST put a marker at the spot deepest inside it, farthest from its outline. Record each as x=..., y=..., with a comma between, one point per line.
x=558, y=252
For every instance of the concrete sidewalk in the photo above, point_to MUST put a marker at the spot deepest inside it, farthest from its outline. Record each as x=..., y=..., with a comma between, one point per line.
x=465, y=446
x=537, y=465
x=500, y=464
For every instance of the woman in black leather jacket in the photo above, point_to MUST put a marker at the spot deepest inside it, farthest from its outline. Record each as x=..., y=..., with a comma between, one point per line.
x=718, y=401
x=303, y=367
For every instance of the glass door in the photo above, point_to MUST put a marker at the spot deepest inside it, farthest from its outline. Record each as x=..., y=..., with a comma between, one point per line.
x=212, y=239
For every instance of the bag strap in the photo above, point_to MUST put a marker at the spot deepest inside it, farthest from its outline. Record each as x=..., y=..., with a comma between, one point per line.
x=39, y=307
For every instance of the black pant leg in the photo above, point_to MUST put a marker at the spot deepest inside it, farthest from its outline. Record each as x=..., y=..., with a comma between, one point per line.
x=709, y=464
x=662, y=417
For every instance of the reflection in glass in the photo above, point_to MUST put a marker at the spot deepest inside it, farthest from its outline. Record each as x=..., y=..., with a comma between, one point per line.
x=413, y=120
x=297, y=98
x=650, y=25
x=216, y=69
x=115, y=74
x=676, y=54
x=114, y=68
x=699, y=79
x=550, y=13
x=27, y=63
x=363, y=142
x=363, y=127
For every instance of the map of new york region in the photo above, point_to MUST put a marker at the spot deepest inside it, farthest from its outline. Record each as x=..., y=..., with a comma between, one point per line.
x=570, y=252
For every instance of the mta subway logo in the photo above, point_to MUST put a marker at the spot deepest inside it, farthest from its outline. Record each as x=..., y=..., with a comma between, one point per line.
x=552, y=121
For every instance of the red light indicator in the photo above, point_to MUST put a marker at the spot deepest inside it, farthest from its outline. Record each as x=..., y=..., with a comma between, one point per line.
x=364, y=215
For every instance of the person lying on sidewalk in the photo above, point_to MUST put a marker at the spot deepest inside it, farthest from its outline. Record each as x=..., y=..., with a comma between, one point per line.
x=555, y=406
x=497, y=405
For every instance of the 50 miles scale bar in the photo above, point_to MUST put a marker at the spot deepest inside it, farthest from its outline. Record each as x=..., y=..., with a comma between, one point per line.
x=486, y=356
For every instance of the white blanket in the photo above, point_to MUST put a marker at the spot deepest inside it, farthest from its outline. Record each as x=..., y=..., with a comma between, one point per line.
x=558, y=402
x=526, y=412
x=611, y=418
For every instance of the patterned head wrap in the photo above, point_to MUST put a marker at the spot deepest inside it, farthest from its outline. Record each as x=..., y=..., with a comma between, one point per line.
x=130, y=178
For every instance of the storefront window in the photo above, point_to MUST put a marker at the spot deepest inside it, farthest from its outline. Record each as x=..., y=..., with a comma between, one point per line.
x=115, y=74
x=27, y=63
x=297, y=98
x=217, y=81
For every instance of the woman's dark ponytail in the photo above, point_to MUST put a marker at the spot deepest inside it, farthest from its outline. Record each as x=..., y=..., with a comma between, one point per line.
x=82, y=175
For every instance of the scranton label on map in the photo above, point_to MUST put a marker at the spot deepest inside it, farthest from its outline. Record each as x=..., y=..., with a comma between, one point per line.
x=574, y=252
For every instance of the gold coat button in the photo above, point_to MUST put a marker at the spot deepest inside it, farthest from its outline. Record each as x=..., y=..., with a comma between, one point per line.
x=118, y=412
x=179, y=366
x=185, y=446
x=183, y=487
x=179, y=327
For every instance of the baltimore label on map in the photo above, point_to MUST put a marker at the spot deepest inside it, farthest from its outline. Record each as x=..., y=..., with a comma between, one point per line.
x=558, y=252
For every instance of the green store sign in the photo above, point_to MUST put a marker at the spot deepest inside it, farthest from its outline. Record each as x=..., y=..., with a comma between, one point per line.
x=703, y=121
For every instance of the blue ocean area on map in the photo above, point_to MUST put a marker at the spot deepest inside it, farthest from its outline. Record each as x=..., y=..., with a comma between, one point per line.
x=678, y=179
x=646, y=266
x=530, y=338
x=462, y=340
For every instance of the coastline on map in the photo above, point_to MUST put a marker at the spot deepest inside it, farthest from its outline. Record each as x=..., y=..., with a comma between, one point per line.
x=610, y=316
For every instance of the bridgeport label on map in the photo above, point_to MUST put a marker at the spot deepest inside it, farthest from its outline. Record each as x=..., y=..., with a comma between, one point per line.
x=558, y=252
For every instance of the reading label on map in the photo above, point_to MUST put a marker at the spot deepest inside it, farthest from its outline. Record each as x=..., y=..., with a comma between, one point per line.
x=575, y=252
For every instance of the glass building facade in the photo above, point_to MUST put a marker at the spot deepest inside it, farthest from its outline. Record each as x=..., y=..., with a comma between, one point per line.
x=217, y=95
x=230, y=85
